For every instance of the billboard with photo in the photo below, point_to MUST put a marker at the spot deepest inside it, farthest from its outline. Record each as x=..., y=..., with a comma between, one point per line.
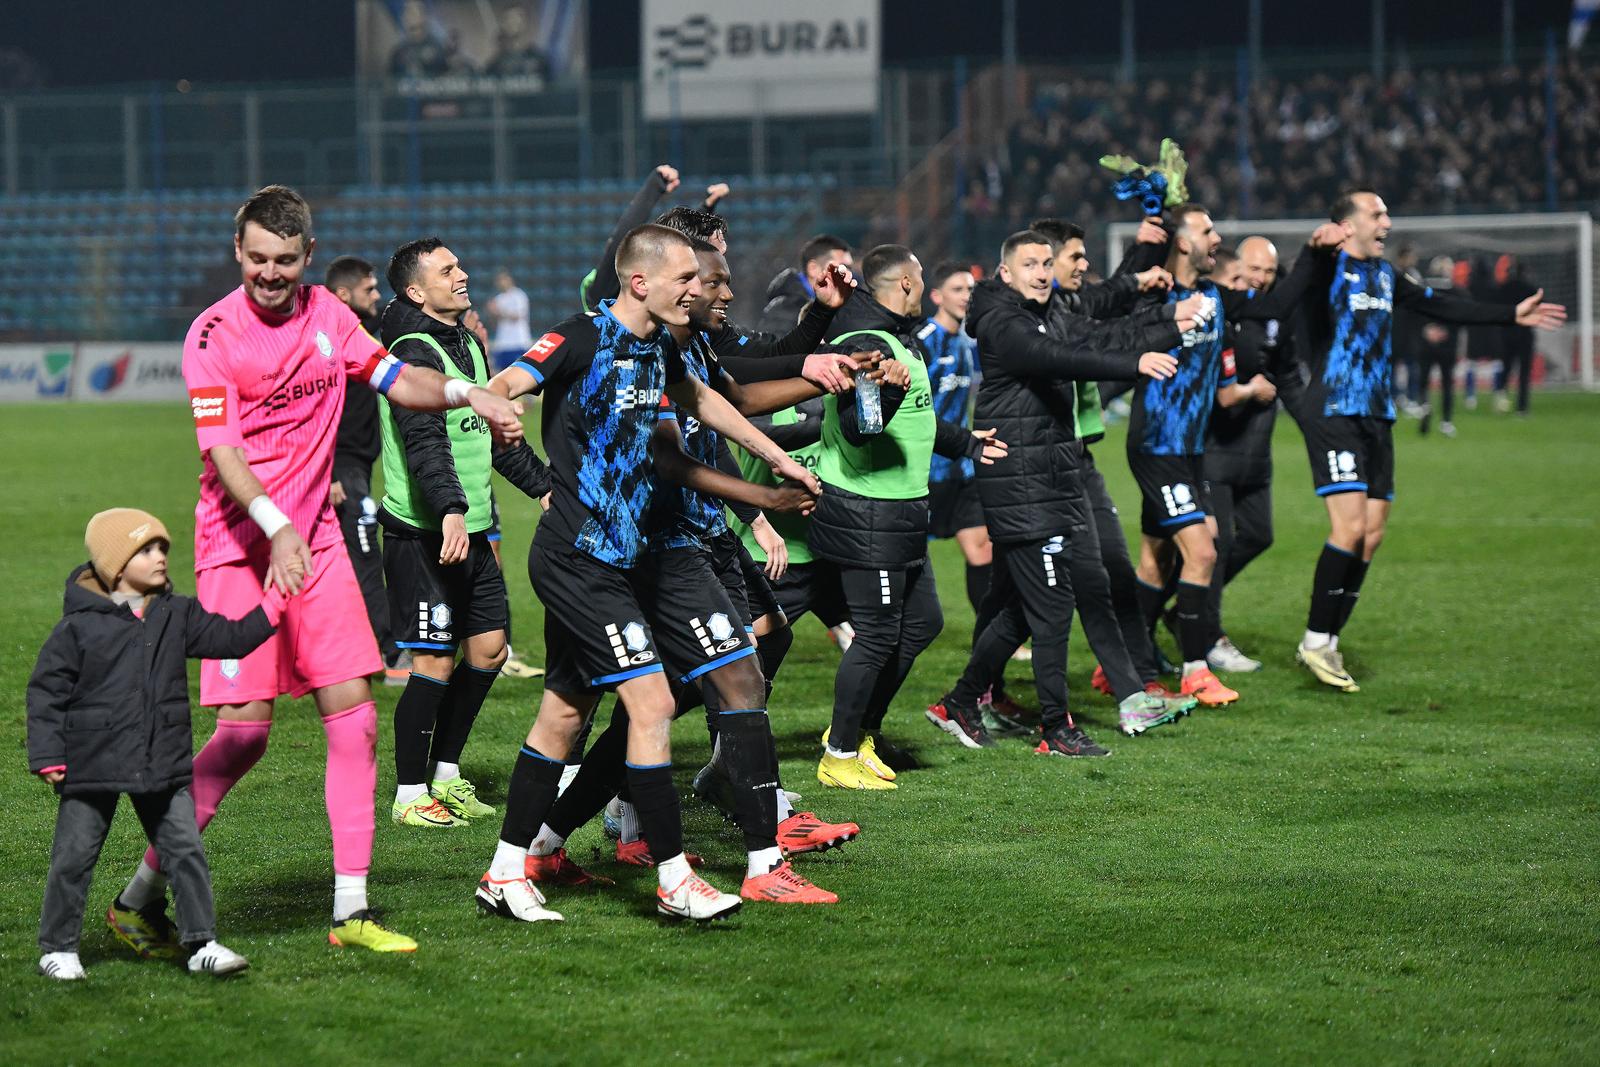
x=436, y=49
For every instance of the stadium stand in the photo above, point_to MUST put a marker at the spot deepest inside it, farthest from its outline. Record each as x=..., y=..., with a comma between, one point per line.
x=1435, y=141
x=140, y=266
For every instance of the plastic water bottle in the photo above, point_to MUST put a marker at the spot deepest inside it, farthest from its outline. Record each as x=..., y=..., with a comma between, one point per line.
x=869, y=404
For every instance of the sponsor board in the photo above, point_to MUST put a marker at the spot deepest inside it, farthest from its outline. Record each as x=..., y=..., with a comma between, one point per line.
x=703, y=59
x=112, y=371
x=36, y=371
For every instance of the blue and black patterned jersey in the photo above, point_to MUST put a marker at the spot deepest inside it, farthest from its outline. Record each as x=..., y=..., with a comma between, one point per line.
x=952, y=375
x=1352, y=375
x=681, y=517
x=602, y=390
x=1170, y=417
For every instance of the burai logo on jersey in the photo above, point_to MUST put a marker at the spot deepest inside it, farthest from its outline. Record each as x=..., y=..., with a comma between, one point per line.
x=287, y=394
x=1361, y=301
x=630, y=396
x=1201, y=334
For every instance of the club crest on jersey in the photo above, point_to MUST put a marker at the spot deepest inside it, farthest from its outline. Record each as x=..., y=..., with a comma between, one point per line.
x=229, y=669
x=1342, y=466
x=634, y=636
x=630, y=638
x=325, y=346
x=719, y=626
x=440, y=616
x=1178, y=498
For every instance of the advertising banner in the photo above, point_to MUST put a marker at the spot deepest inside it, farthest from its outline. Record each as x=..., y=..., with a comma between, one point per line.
x=713, y=59
x=35, y=371
x=109, y=371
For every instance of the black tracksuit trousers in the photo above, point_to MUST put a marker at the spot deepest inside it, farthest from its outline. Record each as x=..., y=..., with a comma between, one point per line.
x=896, y=615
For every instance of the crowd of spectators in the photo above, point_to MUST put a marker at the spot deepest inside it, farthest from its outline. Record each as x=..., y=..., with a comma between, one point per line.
x=1432, y=141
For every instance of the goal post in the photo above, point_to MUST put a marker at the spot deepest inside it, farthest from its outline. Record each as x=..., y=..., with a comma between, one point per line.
x=1556, y=252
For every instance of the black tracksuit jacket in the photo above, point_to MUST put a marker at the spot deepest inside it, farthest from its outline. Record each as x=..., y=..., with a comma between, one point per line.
x=1027, y=395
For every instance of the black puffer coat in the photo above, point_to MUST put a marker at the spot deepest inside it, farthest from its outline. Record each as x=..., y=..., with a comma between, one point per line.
x=1153, y=330
x=1027, y=396
x=1239, y=439
x=787, y=296
x=109, y=696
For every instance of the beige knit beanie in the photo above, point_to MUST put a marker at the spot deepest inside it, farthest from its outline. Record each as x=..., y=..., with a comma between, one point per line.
x=116, y=535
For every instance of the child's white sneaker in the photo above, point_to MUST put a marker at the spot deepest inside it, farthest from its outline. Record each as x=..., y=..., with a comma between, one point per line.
x=215, y=958
x=62, y=966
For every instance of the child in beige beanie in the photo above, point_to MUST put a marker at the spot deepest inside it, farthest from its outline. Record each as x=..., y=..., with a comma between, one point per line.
x=108, y=713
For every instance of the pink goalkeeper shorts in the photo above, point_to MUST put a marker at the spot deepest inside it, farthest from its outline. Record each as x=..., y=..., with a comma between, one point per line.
x=323, y=639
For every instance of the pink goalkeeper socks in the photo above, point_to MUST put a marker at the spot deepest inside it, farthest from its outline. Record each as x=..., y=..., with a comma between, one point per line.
x=352, y=780
x=234, y=748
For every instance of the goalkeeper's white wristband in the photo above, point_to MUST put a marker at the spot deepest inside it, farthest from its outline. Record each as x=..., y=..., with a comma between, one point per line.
x=267, y=515
x=456, y=391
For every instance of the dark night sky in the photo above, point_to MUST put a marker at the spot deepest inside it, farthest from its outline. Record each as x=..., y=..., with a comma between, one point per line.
x=96, y=42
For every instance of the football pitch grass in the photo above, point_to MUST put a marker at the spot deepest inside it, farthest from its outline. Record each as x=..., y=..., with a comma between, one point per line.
x=1408, y=874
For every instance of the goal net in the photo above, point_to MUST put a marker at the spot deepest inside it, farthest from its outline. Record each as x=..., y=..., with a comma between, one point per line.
x=1555, y=252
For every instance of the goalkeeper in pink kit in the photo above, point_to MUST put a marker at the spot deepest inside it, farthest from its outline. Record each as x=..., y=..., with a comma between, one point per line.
x=266, y=367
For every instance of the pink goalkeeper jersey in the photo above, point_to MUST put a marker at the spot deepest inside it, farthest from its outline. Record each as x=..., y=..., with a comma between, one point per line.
x=274, y=387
